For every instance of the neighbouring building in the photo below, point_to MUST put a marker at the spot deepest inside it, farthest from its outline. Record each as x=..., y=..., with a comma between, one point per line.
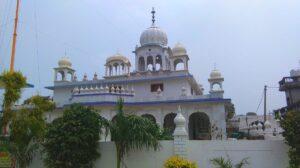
x=291, y=86
x=158, y=85
x=253, y=125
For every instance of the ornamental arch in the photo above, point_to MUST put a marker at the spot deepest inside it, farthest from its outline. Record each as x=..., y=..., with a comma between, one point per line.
x=141, y=64
x=149, y=117
x=199, y=126
x=178, y=64
x=169, y=122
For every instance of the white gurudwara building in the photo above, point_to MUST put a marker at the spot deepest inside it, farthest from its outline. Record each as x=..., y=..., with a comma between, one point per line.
x=154, y=89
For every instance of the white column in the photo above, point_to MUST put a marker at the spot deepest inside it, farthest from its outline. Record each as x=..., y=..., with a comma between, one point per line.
x=146, y=66
x=180, y=135
x=154, y=62
x=185, y=64
x=65, y=75
x=55, y=75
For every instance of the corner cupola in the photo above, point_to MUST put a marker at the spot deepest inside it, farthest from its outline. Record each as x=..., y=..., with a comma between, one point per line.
x=117, y=65
x=64, y=71
x=216, y=83
x=179, y=58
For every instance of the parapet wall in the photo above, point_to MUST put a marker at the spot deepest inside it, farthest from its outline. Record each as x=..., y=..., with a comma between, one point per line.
x=261, y=154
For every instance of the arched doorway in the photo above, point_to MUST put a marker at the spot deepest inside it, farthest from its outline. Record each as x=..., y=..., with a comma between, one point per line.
x=149, y=117
x=199, y=126
x=169, y=124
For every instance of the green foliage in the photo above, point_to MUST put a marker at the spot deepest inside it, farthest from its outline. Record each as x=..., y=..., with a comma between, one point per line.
x=222, y=163
x=130, y=132
x=166, y=134
x=230, y=110
x=13, y=82
x=72, y=140
x=179, y=162
x=290, y=123
x=27, y=130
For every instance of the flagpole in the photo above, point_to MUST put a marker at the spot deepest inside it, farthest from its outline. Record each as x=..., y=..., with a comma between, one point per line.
x=14, y=42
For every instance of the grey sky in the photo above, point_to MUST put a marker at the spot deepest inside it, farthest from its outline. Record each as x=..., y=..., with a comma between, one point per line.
x=253, y=42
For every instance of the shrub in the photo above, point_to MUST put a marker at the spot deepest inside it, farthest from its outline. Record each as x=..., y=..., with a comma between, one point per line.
x=72, y=140
x=221, y=162
x=179, y=162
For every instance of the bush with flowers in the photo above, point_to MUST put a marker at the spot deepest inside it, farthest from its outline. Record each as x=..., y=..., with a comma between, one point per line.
x=179, y=162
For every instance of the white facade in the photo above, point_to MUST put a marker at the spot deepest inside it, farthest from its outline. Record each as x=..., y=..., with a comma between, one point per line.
x=156, y=87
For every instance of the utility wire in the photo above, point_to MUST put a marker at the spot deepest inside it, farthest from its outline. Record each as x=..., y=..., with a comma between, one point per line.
x=6, y=16
x=262, y=96
x=37, y=44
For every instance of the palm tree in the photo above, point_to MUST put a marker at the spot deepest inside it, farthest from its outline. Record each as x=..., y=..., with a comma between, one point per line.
x=130, y=132
x=222, y=163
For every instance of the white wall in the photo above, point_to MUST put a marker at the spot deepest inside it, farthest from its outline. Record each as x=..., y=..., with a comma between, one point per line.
x=262, y=154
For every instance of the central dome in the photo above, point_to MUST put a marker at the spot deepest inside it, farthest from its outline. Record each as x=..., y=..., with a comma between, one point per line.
x=154, y=35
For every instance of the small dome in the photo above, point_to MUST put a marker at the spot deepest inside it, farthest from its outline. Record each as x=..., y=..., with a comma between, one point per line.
x=179, y=49
x=154, y=35
x=215, y=74
x=267, y=124
x=65, y=62
x=259, y=126
x=118, y=57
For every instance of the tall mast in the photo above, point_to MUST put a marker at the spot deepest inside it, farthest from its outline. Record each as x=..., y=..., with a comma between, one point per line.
x=13, y=48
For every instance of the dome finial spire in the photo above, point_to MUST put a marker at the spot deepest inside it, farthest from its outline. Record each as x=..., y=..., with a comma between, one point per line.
x=153, y=16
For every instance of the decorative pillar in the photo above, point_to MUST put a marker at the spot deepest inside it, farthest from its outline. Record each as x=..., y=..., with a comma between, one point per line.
x=55, y=75
x=146, y=66
x=180, y=135
x=185, y=64
x=154, y=63
x=65, y=75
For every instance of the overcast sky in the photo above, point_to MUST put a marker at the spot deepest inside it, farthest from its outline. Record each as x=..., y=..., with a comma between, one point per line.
x=252, y=42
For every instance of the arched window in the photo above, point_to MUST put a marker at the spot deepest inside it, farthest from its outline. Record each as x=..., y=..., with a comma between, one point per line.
x=115, y=71
x=158, y=62
x=150, y=117
x=122, y=68
x=178, y=64
x=141, y=64
x=199, y=126
x=216, y=86
x=169, y=124
x=60, y=75
x=110, y=69
x=150, y=65
x=69, y=76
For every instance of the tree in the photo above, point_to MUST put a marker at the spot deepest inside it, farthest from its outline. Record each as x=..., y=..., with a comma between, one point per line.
x=27, y=130
x=72, y=140
x=222, y=163
x=12, y=82
x=290, y=123
x=130, y=132
x=229, y=110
